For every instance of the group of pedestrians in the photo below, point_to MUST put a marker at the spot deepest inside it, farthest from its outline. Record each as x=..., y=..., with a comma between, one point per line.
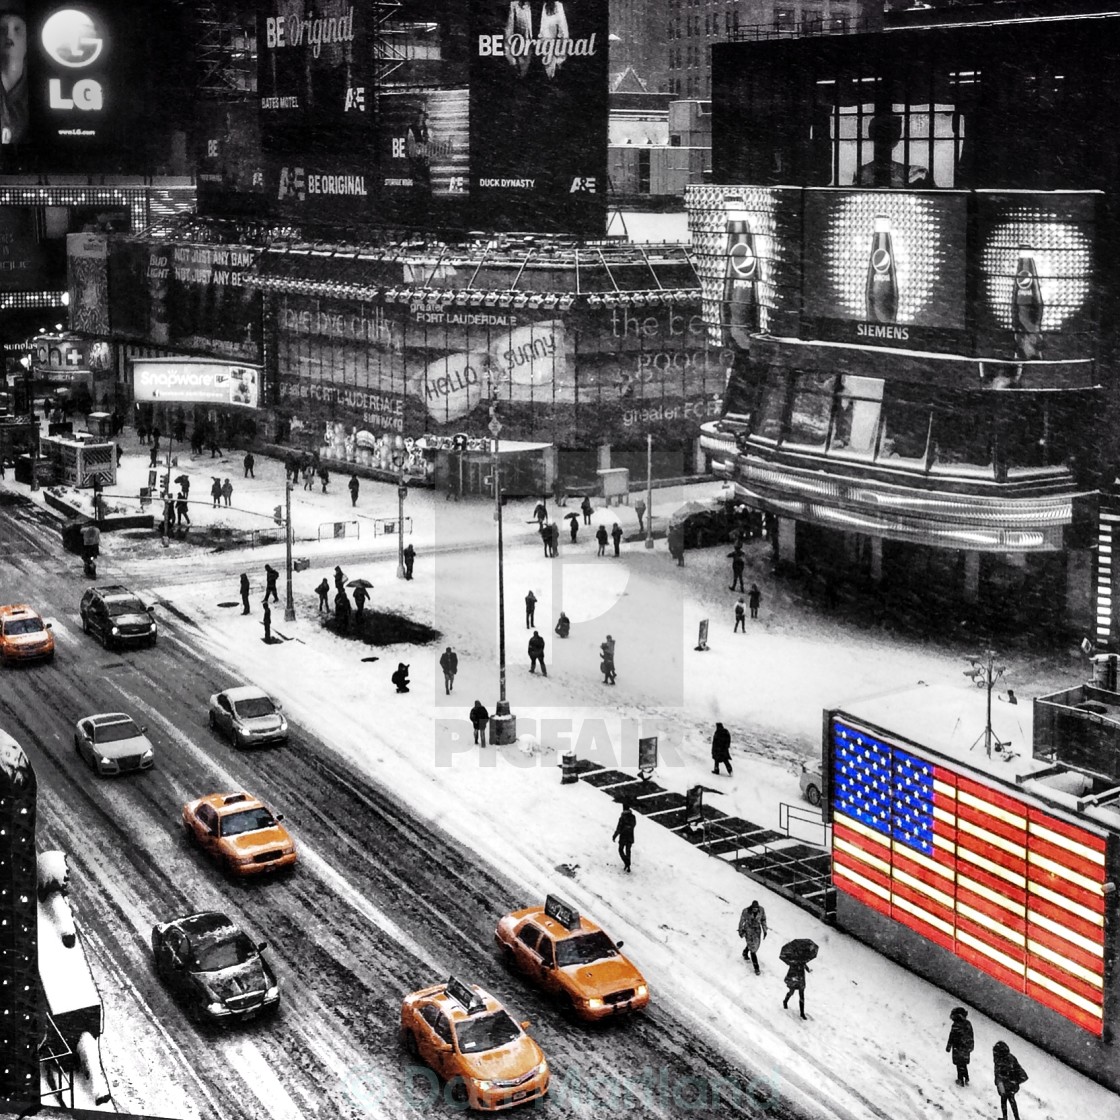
x=753, y=597
x=1009, y=1074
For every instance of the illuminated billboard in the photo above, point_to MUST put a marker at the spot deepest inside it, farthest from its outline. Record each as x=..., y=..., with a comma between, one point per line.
x=195, y=381
x=884, y=267
x=1013, y=890
x=538, y=81
x=1036, y=296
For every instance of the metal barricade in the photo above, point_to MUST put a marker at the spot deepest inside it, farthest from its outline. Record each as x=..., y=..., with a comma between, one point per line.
x=387, y=526
x=340, y=528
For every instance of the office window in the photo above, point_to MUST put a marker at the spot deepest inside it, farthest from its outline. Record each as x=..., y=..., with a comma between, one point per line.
x=904, y=441
x=811, y=409
x=855, y=420
x=771, y=408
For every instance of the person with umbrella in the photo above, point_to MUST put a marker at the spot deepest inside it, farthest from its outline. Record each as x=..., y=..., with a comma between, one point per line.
x=960, y=1043
x=797, y=954
x=573, y=525
x=361, y=595
x=184, y=484
x=752, y=929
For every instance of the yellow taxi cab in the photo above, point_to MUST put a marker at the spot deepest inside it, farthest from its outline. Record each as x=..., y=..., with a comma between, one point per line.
x=240, y=832
x=571, y=957
x=469, y=1039
x=24, y=636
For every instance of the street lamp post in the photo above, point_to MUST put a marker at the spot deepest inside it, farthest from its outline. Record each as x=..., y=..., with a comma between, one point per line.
x=649, y=490
x=503, y=727
x=289, y=602
x=402, y=493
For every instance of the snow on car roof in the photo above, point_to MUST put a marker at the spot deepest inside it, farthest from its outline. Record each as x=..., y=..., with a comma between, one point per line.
x=245, y=692
x=101, y=719
x=207, y=926
x=13, y=761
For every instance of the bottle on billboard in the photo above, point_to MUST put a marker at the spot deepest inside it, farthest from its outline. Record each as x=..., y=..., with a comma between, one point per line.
x=1027, y=306
x=882, y=276
x=740, y=291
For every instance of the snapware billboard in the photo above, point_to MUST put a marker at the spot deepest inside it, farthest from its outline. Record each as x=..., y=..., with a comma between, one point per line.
x=187, y=381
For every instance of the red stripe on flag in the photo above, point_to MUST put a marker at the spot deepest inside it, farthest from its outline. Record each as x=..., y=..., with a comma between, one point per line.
x=997, y=827
x=929, y=932
x=1092, y=1023
x=1089, y=961
x=1069, y=831
x=1094, y=872
x=931, y=906
x=1015, y=951
x=985, y=964
x=868, y=898
x=1066, y=918
x=992, y=796
x=969, y=870
x=989, y=852
x=872, y=874
x=1067, y=980
x=993, y=910
x=880, y=848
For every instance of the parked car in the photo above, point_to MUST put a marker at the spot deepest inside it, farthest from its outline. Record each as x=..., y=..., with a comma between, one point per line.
x=571, y=957
x=113, y=743
x=215, y=968
x=24, y=636
x=117, y=617
x=469, y=1039
x=240, y=832
x=811, y=784
x=247, y=717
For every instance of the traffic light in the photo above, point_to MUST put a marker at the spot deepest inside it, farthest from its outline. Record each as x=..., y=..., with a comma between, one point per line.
x=278, y=514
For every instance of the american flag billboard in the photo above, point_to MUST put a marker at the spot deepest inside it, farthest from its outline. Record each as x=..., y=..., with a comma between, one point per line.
x=989, y=876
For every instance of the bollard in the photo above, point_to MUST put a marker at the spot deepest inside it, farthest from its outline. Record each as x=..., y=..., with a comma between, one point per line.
x=568, y=770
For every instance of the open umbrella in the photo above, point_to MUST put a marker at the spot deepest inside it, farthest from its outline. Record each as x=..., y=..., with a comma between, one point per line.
x=359, y=583
x=182, y=479
x=572, y=516
x=799, y=951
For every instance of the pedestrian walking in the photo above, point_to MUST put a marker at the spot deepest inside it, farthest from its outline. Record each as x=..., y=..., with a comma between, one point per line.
x=676, y=545
x=449, y=663
x=738, y=563
x=545, y=533
x=216, y=491
x=155, y=439
x=249, y=463
x=168, y=516
x=616, y=536
x=308, y=477
x=563, y=625
x=586, y=507
x=609, y=644
x=740, y=616
x=244, y=593
x=339, y=578
x=540, y=513
x=1009, y=1076
x=559, y=491
x=267, y=621
x=409, y=560
x=353, y=485
x=342, y=609
x=271, y=575
x=141, y=432
x=754, y=598
x=227, y=491
x=400, y=677
x=536, y=653
x=184, y=482
x=324, y=478
x=795, y=982
x=606, y=663
x=752, y=929
x=323, y=590
x=361, y=597
x=721, y=749
x=573, y=526
x=154, y=456
x=624, y=833
x=602, y=538
x=961, y=1043
x=479, y=717
x=640, y=510
x=554, y=539
x=215, y=450
x=182, y=513
x=530, y=610
x=120, y=452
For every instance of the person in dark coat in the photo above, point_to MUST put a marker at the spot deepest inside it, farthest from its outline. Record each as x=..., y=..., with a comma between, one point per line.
x=400, y=677
x=554, y=539
x=182, y=513
x=409, y=560
x=602, y=538
x=324, y=478
x=795, y=982
x=960, y=1043
x=536, y=653
x=449, y=663
x=738, y=563
x=573, y=528
x=1009, y=1076
x=267, y=620
x=721, y=748
x=606, y=663
x=323, y=590
x=339, y=578
x=271, y=575
x=563, y=625
x=530, y=610
x=250, y=462
x=616, y=536
x=353, y=485
x=154, y=456
x=480, y=717
x=676, y=545
x=227, y=491
x=244, y=593
x=216, y=492
x=545, y=533
x=342, y=609
x=624, y=834
x=752, y=929
x=754, y=598
x=540, y=512
x=640, y=510
x=361, y=597
x=586, y=507
x=740, y=616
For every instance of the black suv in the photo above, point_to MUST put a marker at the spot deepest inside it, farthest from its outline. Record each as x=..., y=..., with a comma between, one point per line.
x=117, y=617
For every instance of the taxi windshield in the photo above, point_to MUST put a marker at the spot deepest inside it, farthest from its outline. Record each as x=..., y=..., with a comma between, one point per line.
x=248, y=820
x=485, y=1032
x=585, y=949
x=23, y=626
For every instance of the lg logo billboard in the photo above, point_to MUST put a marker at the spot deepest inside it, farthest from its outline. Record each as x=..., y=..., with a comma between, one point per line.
x=74, y=39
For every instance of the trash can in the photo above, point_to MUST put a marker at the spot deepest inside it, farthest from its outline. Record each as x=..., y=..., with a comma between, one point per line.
x=569, y=772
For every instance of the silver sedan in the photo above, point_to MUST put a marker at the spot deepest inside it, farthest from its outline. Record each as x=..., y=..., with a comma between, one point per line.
x=113, y=743
x=248, y=717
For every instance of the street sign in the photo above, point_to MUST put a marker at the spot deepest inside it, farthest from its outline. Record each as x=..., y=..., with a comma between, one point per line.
x=702, y=643
x=647, y=756
x=494, y=427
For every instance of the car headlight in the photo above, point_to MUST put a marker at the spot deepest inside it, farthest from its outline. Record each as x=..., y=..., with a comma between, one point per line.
x=642, y=991
x=152, y=624
x=482, y=1084
x=273, y=993
x=215, y=1008
x=116, y=630
x=147, y=754
x=106, y=761
x=594, y=1003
